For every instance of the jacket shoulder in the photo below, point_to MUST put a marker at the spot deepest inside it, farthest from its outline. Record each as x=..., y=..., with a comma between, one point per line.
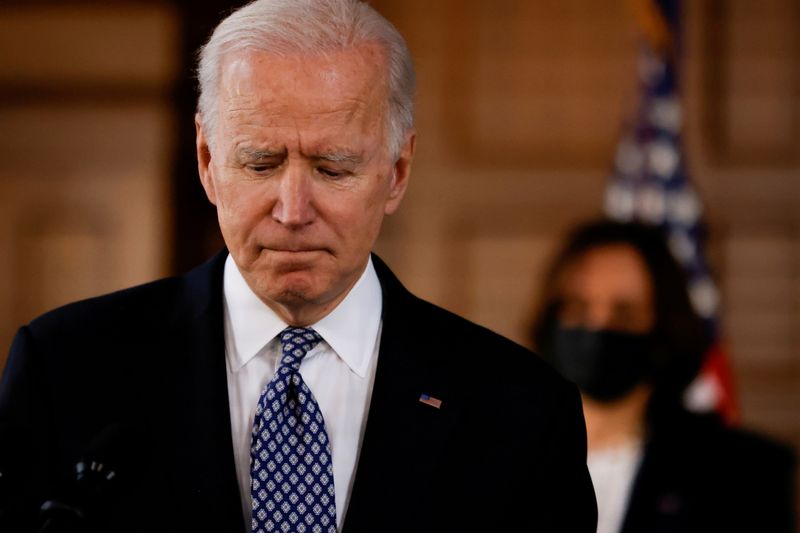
x=481, y=347
x=458, y=345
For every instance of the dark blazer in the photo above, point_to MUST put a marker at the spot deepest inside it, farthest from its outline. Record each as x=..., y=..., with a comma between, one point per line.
x=507, y=446
x=698, y=475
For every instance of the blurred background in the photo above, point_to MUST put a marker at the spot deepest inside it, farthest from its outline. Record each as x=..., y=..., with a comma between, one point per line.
x=521, y=106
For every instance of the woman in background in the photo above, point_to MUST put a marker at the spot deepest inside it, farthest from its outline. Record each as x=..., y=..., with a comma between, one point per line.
x=616, y=319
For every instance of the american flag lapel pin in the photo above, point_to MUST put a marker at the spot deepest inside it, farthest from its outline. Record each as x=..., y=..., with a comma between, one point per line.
x=427, y=399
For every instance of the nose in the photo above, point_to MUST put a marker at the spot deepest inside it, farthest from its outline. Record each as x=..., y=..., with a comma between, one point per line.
x=585, y=312
x=598, y=316
x=294, y=207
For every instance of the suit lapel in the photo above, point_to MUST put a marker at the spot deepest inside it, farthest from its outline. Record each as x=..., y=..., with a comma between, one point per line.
x=202, y=396
x=404, y=438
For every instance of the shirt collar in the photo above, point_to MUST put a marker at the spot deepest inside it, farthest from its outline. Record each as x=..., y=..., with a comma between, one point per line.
x=350, y=329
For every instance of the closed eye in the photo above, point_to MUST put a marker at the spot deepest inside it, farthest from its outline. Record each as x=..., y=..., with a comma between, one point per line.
x=330, y=172
x=261, y=168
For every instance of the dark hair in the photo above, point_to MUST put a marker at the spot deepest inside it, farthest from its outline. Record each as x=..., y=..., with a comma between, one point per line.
x=679, y=332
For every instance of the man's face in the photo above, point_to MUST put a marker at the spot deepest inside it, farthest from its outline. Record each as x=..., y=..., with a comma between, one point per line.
x=300, y=173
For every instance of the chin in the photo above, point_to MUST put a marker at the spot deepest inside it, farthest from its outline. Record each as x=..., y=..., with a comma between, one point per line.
x=294, y=297
x=291, y=288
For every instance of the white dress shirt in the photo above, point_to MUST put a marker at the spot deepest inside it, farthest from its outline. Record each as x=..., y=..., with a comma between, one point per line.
x=613, y=471
x=340, y=371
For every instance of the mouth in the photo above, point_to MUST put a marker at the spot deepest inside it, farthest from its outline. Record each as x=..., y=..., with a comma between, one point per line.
x=293, y=259
x=294, y=252
x=293, y=249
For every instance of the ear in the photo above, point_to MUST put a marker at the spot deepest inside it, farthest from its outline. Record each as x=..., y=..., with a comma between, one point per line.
x=401, y=172
x=204, y=166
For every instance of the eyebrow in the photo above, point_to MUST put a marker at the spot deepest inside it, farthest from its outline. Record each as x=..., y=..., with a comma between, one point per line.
x=255, y=154
x=252, y=154
x=339, y=157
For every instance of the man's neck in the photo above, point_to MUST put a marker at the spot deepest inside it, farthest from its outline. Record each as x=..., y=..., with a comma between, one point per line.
x=303, y=314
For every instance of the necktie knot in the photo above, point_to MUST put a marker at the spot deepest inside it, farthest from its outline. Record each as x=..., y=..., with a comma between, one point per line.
x=295, y=344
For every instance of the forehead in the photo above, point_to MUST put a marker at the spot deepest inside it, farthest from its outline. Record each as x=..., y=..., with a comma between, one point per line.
x=342, y=85
x=611, y=272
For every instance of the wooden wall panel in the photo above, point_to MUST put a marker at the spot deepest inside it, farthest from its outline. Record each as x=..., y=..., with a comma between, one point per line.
x=503, y=299
x=85, y=151
x=61, y=255
x=67, y=43
x=752, y=70
x=536, y=83
x=762, y=324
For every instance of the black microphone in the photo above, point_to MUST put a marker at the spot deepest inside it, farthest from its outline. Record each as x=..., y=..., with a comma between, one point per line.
x=107, y=463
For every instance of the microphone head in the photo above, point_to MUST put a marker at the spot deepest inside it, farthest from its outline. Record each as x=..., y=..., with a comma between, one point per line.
x=109, y=462
x=112, y=450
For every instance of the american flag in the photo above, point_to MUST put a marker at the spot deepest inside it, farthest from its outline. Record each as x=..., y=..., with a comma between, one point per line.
x=427, y=399
x=650, y=183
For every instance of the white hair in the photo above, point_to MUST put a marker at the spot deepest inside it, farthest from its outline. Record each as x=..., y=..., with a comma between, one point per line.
x=286, y=27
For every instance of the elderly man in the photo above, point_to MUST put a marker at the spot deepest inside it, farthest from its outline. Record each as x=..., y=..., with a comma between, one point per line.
x=291, y=383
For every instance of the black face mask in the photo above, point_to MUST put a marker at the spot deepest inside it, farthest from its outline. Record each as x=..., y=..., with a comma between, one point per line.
x=604, y=364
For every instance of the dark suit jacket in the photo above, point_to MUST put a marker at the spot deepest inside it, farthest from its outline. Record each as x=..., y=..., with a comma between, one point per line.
x=506, y=447
x=699, y=476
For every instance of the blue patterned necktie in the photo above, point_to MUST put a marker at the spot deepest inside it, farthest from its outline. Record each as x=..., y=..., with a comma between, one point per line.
x=291, y=471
